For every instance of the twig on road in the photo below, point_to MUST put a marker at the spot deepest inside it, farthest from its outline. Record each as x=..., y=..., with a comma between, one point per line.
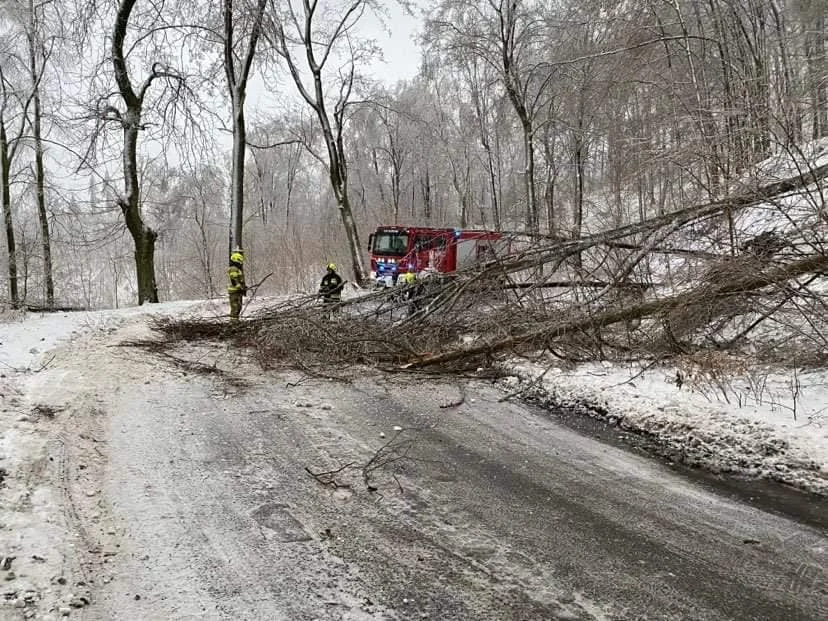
x=327, y=478
x=391, y=452
x=45, y=364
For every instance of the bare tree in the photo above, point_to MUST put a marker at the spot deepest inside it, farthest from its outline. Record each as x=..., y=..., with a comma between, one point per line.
x=480, y=83
x=38, y=55
x=506, y=35
x=300, y=30
x=815, y=18
x=130, y=120
x=276, y=165
x=516, y=29
x=453, y=122
x=10, y=141
x=130, y=203
x=394, y=151
x=237, y=65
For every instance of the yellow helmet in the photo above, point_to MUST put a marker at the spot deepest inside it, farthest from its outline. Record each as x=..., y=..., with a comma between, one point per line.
x=237, y=257
x=332, y=267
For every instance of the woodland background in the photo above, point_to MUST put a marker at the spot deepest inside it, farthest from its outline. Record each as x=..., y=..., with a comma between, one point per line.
x=558, y=119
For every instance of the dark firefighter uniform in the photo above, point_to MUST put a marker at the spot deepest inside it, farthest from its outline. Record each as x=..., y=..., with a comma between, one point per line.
x=237, y=288
x=331, y=286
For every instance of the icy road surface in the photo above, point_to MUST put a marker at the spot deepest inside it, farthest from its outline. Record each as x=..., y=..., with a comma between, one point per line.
x=163, y=492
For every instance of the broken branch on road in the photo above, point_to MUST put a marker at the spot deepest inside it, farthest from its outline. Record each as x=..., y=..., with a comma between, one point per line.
x=669, y=285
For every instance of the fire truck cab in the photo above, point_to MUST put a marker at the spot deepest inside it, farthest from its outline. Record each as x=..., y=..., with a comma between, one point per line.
x=395, y=250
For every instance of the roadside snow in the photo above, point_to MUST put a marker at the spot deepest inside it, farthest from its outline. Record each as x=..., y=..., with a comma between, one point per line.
x=732, y=415
x=42, y=363
x=773, y=426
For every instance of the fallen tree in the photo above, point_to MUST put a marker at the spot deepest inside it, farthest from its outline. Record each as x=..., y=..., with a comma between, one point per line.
x=608, y=304
x=708, y=292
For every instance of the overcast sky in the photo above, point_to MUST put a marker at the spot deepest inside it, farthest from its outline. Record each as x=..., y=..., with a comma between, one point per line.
x=402, y=56
x=401, y=62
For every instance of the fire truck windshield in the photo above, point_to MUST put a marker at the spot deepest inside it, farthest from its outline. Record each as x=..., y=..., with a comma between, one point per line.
x=390, y=243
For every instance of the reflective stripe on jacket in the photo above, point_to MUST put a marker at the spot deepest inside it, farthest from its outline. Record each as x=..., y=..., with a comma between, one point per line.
x=236, y=277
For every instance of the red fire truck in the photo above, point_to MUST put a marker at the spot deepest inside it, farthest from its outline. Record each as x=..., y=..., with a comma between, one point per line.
x=395, y=250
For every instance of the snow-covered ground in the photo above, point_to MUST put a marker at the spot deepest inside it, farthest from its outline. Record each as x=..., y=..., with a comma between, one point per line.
x=767, y=423
x=38, y=381
x=774, y=426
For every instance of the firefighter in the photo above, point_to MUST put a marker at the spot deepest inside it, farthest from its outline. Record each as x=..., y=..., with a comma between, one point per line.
x=237, y=289
x=409, y=280
x=330, y=289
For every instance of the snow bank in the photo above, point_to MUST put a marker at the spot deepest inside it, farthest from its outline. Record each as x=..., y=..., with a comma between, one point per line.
x=774, y=429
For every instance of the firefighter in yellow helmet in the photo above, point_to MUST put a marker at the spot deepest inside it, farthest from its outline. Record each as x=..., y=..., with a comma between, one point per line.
x=409, y=293
x=237, y=288
x=330, y=289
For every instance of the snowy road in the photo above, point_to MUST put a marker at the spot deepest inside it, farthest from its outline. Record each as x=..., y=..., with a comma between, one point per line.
x=188, y=497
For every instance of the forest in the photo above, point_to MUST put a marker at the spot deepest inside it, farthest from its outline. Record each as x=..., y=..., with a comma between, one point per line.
x=139, y=140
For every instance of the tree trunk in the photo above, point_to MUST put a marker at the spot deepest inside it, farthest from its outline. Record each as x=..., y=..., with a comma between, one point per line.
x=579, y=158
x=8, y=220
x=758, y=87
x=352, y=234
x=43, y=217
x=817, y=68
x=551, y=179
x=145, y=265
x=339, y=182
x=396, y=187
x=381, y=185
x=130, y=204
x=142, y=236
x=704, y=119
x=508, y=18
x=205, y=249
x=490, y=170
x=550, y=204
x=533, y=221
x=462, y=194
x=792, y=124
x=237, y=171
x=733, y=152
x=425, y=185
x=237, y=84
x=481, y=109
x=293, y=168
